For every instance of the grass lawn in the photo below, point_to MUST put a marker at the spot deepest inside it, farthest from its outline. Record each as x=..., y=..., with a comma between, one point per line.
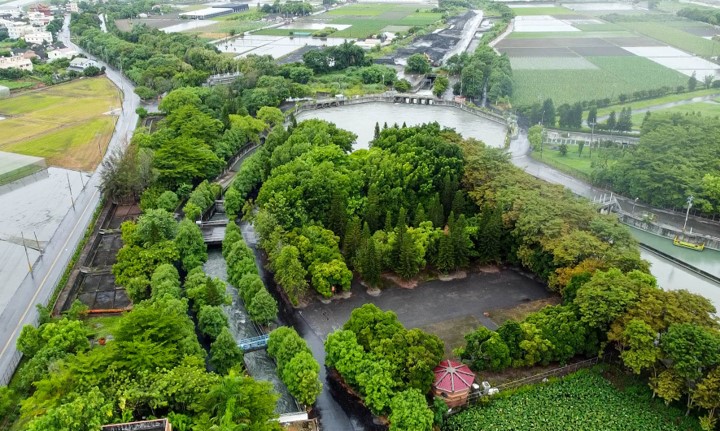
x=550, y=10
x=570, y=34
x=63, y=123
x=705, y=109
x=676, y=37
x=641, y=104
x=581, y=401
x=103, y=326
x=369, y=19
x=14, y=85
x=614, y=76
x=574, y=163
x=237, y=22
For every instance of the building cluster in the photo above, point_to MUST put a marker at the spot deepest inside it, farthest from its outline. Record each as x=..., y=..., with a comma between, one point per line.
x=31, y=26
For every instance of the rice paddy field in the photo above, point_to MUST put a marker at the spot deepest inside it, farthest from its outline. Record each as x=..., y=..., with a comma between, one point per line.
x=69, y=125
x=365, y=19
x=574, y=53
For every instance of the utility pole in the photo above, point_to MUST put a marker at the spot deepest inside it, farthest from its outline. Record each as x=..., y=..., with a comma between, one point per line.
x=27, y=256
x=634, y=203
x=592, y=136
x=37, y=243
x=687, y=214
x=71, y=193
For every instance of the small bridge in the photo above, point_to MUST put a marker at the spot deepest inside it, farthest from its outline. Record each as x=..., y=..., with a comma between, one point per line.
x=607, y=204
x=254, y=343
x=213, y=231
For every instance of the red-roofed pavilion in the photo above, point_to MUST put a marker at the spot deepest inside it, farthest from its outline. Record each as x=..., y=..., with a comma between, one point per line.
x=453, y=381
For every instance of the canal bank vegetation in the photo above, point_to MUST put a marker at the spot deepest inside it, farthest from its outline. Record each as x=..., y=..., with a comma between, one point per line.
x=295, y=364
x=676, y=157
x=389, y=366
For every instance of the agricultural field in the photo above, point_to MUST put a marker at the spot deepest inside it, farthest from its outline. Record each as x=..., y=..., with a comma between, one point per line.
x=597, y=59
x=236, y=23
x=581, y=401
x=68, y=124
x=359, y=21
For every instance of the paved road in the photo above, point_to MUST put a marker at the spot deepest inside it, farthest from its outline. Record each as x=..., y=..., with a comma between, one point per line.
x=519, y=151
x=708, y=98
x=48, y=270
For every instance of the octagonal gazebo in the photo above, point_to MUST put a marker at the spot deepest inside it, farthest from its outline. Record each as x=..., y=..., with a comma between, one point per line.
x=452, y=383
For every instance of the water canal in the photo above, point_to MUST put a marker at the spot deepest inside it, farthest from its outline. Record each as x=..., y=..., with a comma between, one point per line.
x=259, y=364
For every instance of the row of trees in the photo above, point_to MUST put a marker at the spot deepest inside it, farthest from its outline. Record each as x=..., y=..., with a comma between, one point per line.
x=388, y=365
x=243, y=273
x=482, y=74
x=296, y=366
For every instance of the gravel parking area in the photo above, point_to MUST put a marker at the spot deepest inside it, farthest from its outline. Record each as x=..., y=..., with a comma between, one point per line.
x=434, y=303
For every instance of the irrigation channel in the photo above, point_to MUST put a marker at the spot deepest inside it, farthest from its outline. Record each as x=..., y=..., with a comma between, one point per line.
x=258, y=363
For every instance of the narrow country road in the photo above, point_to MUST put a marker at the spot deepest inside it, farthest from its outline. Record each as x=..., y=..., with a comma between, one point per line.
x=520, y=155
x=38, y=287
x=707, y=98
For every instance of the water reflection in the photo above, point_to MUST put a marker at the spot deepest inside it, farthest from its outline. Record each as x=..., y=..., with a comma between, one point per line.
x=361, y=119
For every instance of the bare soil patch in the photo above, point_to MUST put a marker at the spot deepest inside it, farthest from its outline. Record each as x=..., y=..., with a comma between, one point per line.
x=519, y=312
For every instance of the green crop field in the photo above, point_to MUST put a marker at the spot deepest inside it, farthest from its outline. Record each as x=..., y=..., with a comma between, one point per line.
x=64, y=123
x=582, y=401
x=551, y=10
x=614, y=76
x=676, y=37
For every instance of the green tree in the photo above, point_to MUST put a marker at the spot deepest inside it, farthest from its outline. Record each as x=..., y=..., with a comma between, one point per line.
x=263, y=308
x=440, y=85
x=641, y=352
x=445, y=261
x=417, y=63
x=212, y=320
x=191, y=245
x=300, y=375
x=369, y=266
x=409, y=412
x=271, y=116
x=154, y=226
x=692, y=82
x=243, y=401
x=691, y=349
x=707, y=394
x=290, y=273
x=82, y=412
x=225, y=353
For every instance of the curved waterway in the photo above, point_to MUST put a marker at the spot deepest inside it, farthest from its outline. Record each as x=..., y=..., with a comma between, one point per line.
x=360, y=119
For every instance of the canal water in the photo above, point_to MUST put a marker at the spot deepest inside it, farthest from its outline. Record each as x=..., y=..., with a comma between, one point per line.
x=259, y=365
x=330, y=413
x=360, y=119
x=671, y=276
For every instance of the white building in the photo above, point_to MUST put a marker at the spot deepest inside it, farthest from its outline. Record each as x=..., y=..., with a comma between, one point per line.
x=61, y=53
x=17, y=30
x=72, y=7
x=17, y=62
x=38, y=37
x=79, y=64
x=39, y=19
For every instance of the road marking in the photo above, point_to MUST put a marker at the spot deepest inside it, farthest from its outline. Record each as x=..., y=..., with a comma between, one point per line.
x=44, y=280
